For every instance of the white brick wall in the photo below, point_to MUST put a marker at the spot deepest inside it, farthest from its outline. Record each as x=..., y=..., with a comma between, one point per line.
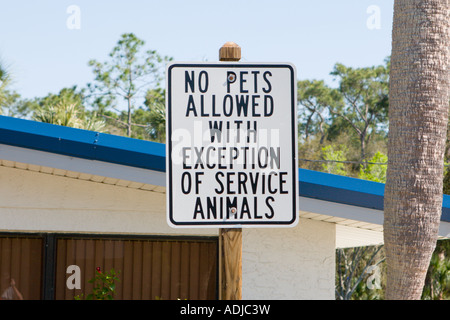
x=34, y=201
x=289, y=263
x=284, y=263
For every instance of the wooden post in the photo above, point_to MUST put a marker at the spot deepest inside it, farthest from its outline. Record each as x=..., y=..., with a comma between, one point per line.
x=230, y=51
x=231, y=263
x=230, y=239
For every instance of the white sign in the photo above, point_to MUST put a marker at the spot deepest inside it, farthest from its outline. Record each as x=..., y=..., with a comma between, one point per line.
x=231, y=152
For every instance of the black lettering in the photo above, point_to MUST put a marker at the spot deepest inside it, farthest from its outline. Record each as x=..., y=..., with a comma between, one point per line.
x=263, y=184
x=233, y=157
x=245, y=209
x=204, y=88
x=272, y=213
x=185, y=157
x=230, y=105
x=215, y=130
x=221, y=207
x=242, y=180
x=245, y=151
x=202, y=107
x=198, y=153
x=238, y=128
x=209, y=164
x=214, y=114
x=231, y=204
x=251, y=131
x=211, y=208
x=220, y=156
x=230, y=182
x=262, y=160
x=242, y=105
x=198, y=208
x=186, y=189
x=269, y=85
x=222, y=189
x=198, y=181
x=255, y=74
x=254, y=105
x=282, y=182
x=242, y=80
x=255, y=200
x=231, y=78
x=275, y=157
x=189, y=80
x=269, y=183
x=191, y=106
x=254, y=182
x=268, y=112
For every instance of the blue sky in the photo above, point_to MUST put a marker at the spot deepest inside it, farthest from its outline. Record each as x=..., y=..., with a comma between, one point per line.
x=44, y=55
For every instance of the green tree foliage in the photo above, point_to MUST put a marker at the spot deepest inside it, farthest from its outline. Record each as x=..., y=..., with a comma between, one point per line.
x=353, y=114
x=365, y=95
x=314, y=98
x=122, y=80
x=5, y=79
x=437, y=281
x=10, y=103
x=359, y=274
x=375, y=169
x=66, y=109
x=446, y=182
x=334, y=157
x=155, y=103
x=104, y=285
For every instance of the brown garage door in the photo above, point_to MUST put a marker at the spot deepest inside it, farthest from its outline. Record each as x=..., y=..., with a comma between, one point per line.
x=149, y=269
x=21, y=260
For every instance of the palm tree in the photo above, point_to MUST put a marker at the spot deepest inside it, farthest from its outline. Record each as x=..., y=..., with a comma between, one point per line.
x=418, y=115
x=68, y=114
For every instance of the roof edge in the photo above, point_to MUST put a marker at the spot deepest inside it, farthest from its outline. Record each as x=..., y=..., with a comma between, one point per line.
x=82, y=143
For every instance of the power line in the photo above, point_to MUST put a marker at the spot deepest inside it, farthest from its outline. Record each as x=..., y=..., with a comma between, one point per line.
x=344, y=161
x=352, y=162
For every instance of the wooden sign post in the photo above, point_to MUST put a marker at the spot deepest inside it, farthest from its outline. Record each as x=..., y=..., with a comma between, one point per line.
x=230, y=239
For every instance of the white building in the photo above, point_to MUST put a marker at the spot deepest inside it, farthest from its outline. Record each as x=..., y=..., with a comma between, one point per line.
x=73, y=197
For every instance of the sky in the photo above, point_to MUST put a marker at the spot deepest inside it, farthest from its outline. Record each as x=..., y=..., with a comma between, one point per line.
x=46, y=44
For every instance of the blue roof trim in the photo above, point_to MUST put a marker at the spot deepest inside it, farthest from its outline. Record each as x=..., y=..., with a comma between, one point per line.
x=445, y=216
x=341, y=189
x=351, y=191
x=82, y=143
x=151, y=155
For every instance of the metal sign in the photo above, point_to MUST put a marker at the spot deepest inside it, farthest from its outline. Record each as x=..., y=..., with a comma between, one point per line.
x=231, y=151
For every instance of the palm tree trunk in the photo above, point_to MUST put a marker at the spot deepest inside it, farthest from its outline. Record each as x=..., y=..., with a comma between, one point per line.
x=418, y=115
